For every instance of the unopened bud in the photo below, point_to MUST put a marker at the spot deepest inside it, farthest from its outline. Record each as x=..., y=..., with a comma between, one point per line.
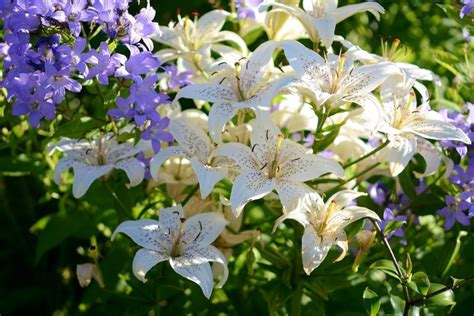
x=88, y=271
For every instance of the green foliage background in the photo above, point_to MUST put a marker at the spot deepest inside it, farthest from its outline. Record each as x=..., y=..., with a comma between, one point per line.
x=42, y=225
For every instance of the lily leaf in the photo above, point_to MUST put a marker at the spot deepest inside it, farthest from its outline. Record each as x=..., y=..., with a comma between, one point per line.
x=371, y=302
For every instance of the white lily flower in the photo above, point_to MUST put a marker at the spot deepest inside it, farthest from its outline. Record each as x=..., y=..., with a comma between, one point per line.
x=186, y=245
x=91, y=160
x=273, y=163
x=391, y=55
x=247, y=84
x=193, y=40
x=324, y=224
x=195, y=146
x=336, y=80
x=405, y=124
x=294, y=114
x=320, y=17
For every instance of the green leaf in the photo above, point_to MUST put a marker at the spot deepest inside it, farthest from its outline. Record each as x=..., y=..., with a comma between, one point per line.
x=323, y=142
x=443, y=299
x=422, y=282
x=253, y=35
x=60, y=226
x=78, y=127
x=407, y=184
x=450, y=253
x=371, y=302
x=385, y=266
x=317, y=288
x=393, y=226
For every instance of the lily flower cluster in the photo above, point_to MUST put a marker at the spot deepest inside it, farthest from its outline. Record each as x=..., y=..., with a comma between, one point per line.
x=283, y=122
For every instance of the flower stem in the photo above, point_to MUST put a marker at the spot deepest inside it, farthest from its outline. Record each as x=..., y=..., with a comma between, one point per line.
x=397, y=267
x=444, y=289
x=190, y=195
x=123, y=210
x=355, y=176
x=375, y=150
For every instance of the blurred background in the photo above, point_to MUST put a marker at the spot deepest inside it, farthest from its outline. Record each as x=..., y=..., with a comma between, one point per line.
x=41, y=230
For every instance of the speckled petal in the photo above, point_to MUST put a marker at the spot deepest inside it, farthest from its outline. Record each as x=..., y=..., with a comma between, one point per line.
x=249, y=186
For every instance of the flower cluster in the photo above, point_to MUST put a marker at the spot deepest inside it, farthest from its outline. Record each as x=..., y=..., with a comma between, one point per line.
x=282, y=124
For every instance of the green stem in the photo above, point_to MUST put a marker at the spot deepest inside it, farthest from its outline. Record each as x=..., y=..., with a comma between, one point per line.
x=190, y=195
x=99, y=92
x=355, y=176
x=442, y=290
x=375, y=150
x=123, y=209
x=397, y=267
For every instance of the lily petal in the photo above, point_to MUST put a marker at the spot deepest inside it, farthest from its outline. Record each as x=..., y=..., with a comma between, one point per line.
x=201, y=230
x=201, y=273
x=343, y=13
x=430, y=125
x=431, y=156
x=326, y=27
x=207, y=176
x=239, y=153
x=314, y=249
x=304, y=167
x=254, y=69
x=191, y=138
x=84, y=175
x=144, y=260
x=212, y=254
x=63, y=165
x=147, y=233
x=211, y=23
x=291, y=193
x=249, y=186
x=207, y=92
x=219, y=115
x=134, y=170
x=398, y=153
x=162, y=156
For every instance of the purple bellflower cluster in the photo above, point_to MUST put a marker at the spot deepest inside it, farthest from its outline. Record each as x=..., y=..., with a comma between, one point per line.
x=460, y=204
x=52, y=48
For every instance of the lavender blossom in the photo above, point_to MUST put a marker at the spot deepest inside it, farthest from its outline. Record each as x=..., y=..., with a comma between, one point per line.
x=247, y=8
x=378, y=193
x=467, y=8
x=388, y=217
x=156, y=134
x=177, y=80
x=454, y=212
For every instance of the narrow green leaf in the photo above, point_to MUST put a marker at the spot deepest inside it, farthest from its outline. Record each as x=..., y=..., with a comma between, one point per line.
x=371, y=302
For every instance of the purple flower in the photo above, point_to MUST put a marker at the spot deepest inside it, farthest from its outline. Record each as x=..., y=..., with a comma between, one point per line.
x=142, y=27
x=104, y=64
x=156, y=134
x=177, y=80
x=388, y=217
x=59, y=81
x=247, y=8
x=75, y=13
x=466, y=35
x=378, y=193
x=138, y=64
x=464, y=179
x=467, y=8
x=308, y=141
x=458, y=120
x=34, y=99
x=141, y=103
x=453, y=212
